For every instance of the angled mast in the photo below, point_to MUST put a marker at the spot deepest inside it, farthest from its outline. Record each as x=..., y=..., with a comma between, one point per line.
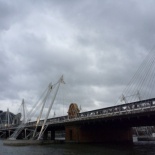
x=50, y=107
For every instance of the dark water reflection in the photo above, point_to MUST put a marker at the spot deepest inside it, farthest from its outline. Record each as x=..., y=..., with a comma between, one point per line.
x=142, y=148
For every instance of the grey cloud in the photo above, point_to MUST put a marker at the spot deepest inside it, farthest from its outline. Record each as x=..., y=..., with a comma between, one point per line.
x=97, y=45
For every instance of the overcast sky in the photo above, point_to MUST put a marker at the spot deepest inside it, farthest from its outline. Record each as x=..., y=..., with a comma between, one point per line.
x=97, y=46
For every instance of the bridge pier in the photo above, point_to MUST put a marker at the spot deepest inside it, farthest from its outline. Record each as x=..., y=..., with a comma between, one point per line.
x=7, y=134
x=26, y=133
x=98, y=134
x=72, y=134
x=45, y=135
x=52, y=135
x=49, y=134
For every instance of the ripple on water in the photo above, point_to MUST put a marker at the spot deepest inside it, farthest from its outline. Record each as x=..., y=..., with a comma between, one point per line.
x=140, y=148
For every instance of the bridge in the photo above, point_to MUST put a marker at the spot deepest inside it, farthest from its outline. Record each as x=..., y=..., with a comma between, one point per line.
x=111, y=124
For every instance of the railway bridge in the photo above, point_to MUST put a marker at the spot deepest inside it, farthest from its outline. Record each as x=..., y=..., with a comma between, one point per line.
x=110, y=124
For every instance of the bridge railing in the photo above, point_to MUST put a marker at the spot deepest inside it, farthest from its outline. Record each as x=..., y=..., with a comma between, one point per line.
x=135, y=107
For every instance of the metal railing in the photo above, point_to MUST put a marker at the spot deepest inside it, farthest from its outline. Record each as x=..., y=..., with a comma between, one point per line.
x=124, y=109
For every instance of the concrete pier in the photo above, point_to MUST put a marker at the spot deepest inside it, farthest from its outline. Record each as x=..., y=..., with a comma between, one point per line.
x=97, y=134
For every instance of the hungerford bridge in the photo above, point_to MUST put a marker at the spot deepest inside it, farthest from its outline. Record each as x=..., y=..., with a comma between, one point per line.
x=111, y=124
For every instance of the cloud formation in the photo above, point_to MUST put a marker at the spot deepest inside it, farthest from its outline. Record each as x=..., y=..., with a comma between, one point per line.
x=97, y=46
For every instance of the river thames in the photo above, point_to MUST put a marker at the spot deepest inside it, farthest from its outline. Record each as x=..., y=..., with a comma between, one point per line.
x=139, y=148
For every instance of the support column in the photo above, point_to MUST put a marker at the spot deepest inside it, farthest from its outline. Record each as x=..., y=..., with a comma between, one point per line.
x=25, y=133
x=52, y=135
x=6, y=134
x=45, y=135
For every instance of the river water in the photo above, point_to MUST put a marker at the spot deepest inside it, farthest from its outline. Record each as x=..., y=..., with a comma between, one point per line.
x=139, y=148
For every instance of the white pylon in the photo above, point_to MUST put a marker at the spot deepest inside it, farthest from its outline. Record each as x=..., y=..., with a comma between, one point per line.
x=50, y=107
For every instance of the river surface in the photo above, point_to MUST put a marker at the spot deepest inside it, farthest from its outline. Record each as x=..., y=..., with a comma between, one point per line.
x=139, y=148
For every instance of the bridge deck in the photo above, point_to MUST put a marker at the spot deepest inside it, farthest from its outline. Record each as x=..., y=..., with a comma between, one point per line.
x=139, y=107
x=109, y=112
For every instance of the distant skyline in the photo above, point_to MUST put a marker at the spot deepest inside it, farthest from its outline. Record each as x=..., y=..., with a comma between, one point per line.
x=97, y=46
